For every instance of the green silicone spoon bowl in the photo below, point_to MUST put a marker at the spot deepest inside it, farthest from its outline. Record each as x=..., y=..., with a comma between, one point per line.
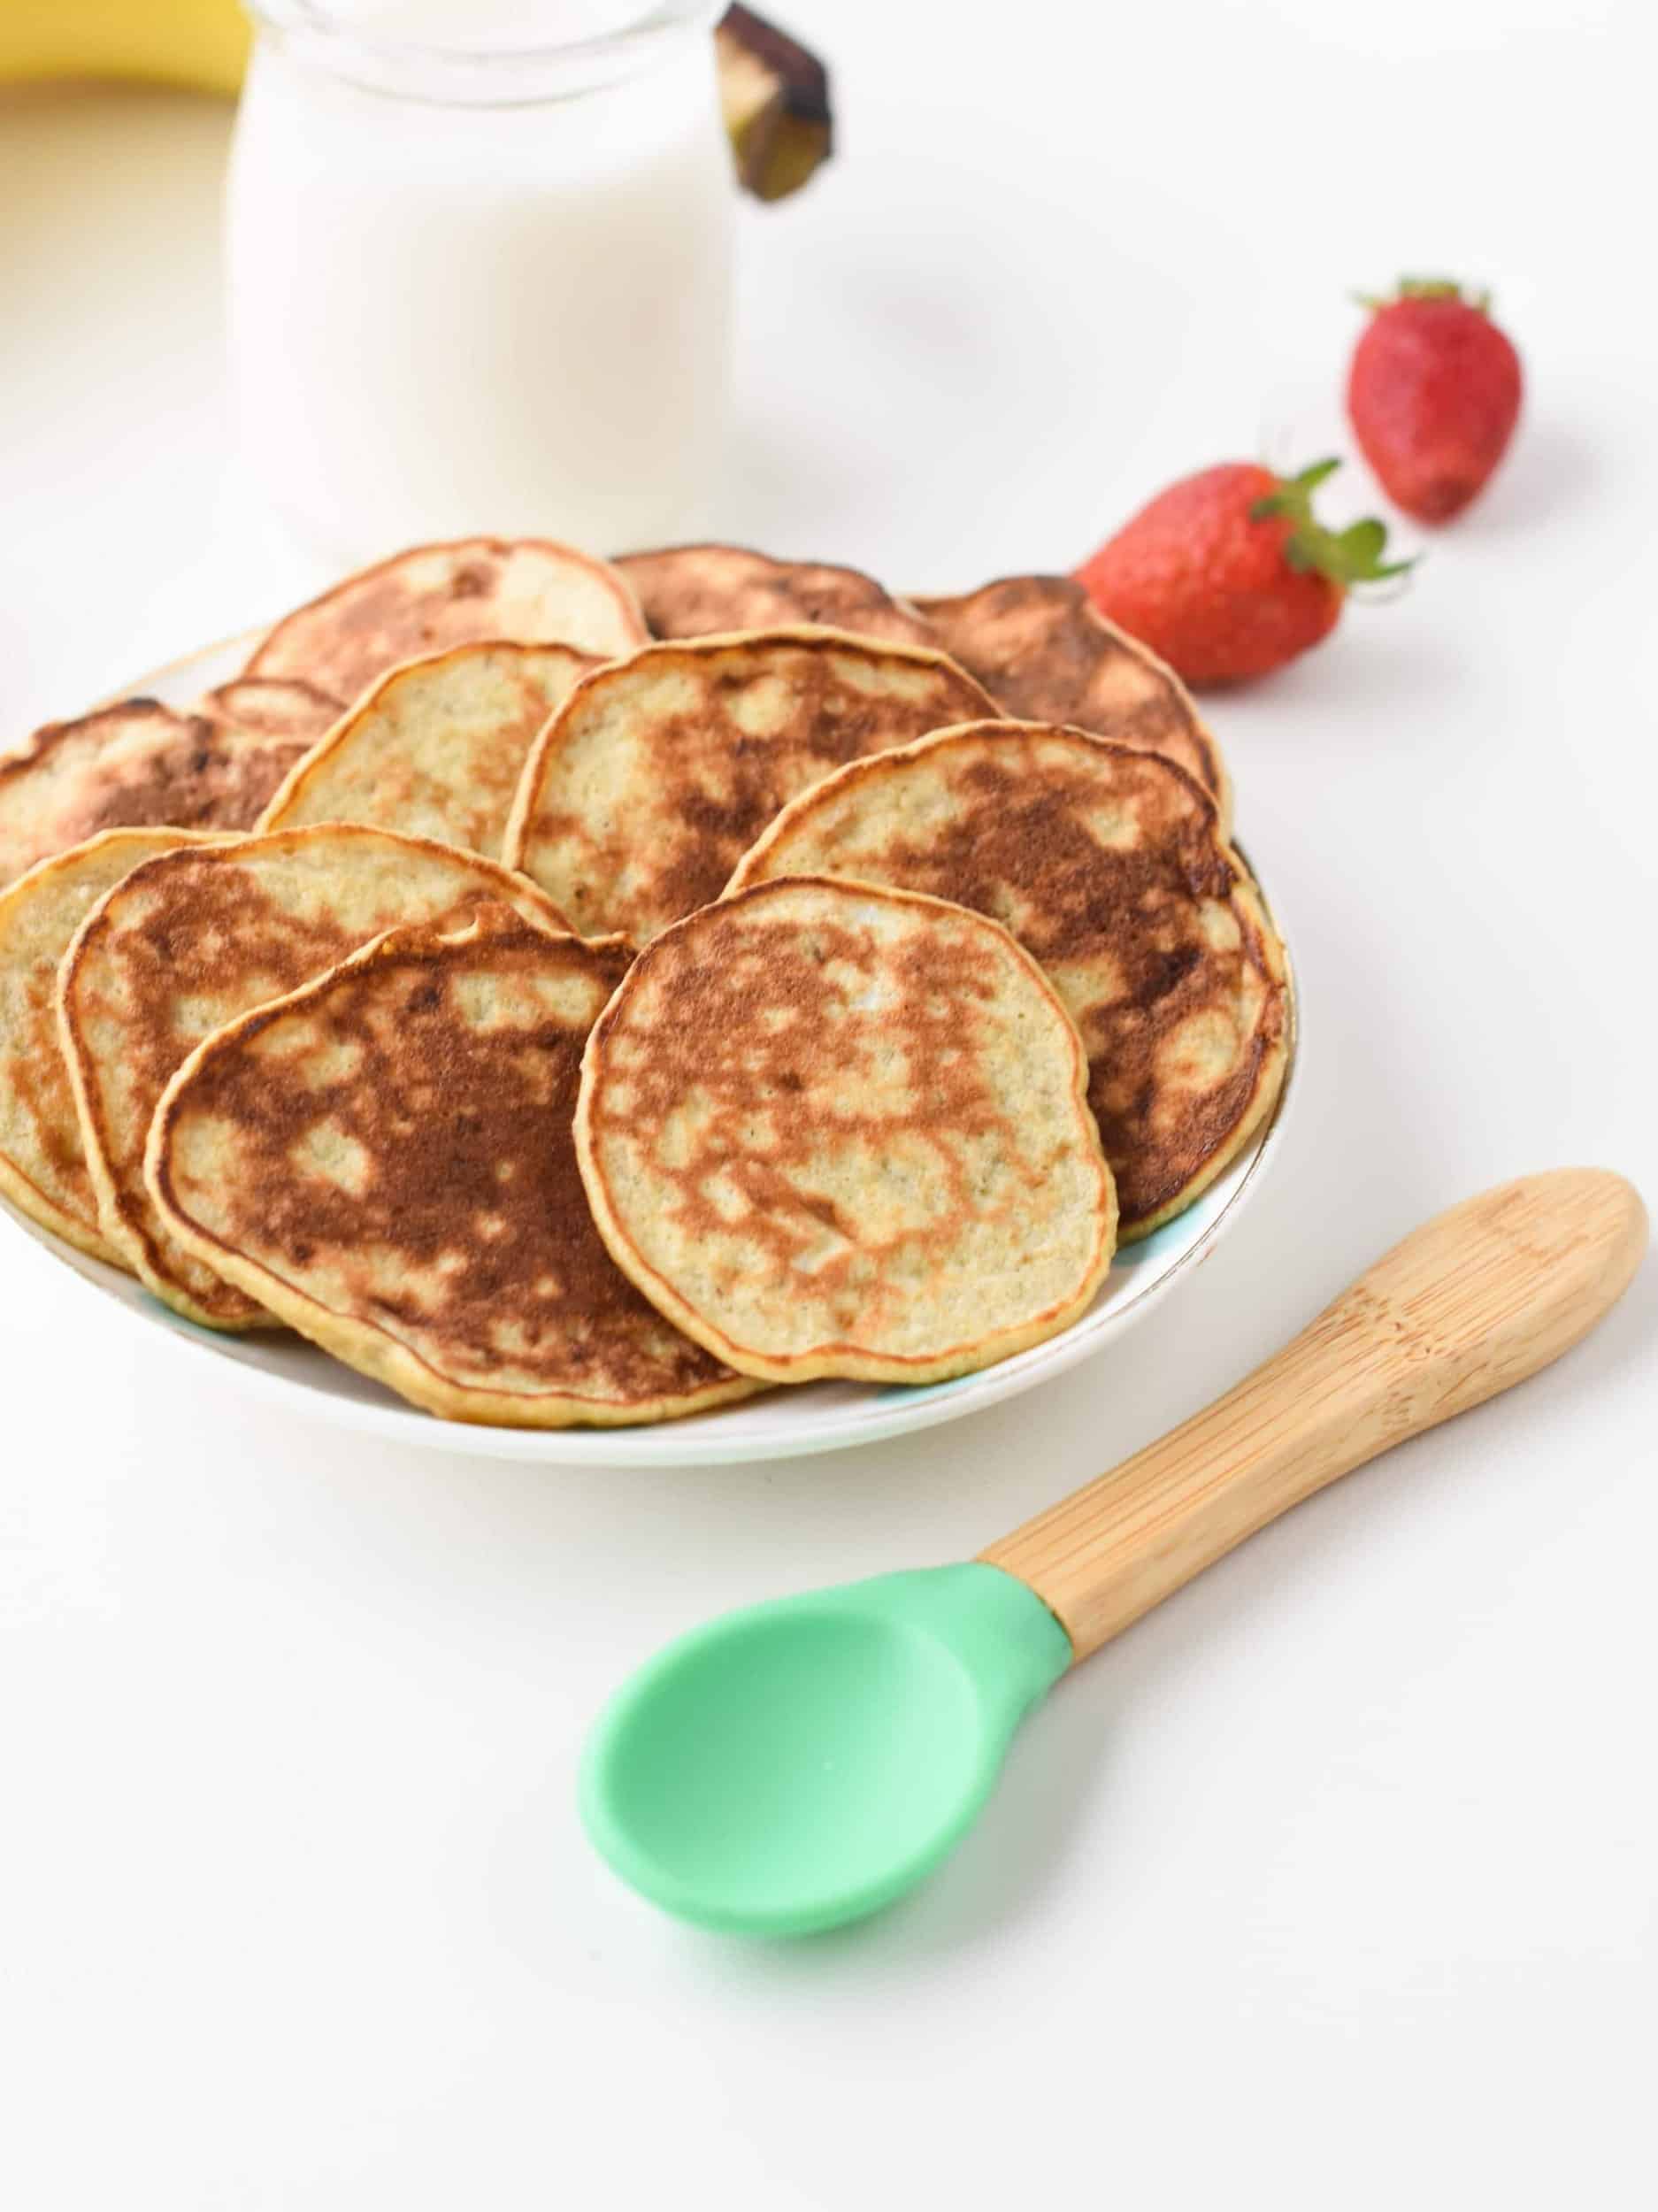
x=802, y=1763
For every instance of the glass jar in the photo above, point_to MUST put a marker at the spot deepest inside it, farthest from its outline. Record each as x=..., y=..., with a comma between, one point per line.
x=482, y=287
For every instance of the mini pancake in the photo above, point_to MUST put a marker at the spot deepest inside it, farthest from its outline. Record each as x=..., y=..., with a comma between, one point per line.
x=1045, y=654
x=276, y=707
x=190, y=941
x=139, y=763
x=832, y=1130
x=703, y=590
x=433, y=596
x=436, y=747
x=1109, y=865
x=42, y=1161
x=656, y=775
x=385, y=1160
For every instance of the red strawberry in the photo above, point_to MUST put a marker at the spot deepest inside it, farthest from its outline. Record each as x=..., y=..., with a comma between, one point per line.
x=1227, y=575
x=1434, y=393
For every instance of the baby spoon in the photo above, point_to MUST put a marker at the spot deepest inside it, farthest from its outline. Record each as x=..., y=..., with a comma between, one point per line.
x=801, y=1763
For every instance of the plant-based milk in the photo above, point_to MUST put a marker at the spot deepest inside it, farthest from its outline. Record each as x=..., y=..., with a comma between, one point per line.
x=458, y=302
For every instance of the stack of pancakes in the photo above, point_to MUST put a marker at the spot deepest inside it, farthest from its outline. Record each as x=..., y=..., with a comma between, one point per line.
x=585, y=991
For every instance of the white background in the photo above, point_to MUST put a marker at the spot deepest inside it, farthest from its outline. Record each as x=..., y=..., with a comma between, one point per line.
x=1331, y=1884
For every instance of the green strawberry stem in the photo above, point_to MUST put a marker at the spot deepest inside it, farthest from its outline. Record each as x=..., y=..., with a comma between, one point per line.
x=1428, y=288
x=1353, y=556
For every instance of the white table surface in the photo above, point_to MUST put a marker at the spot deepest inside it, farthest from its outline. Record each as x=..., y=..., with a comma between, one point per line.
x=1331, y=1884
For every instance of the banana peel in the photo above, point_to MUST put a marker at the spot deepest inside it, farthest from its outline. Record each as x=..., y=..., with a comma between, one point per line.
x=200, y=44
x=775, y=97
x=773, y=93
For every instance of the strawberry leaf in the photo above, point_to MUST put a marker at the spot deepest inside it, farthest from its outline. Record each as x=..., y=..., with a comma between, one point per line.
x=1353, y=556
x=1294, y=495
x=1358, y=553
x=1411, y=287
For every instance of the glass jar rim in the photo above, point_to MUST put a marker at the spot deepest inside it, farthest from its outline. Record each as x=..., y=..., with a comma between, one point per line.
x=464, y=73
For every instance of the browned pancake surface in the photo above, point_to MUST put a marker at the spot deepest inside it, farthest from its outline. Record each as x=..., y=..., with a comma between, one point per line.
x=1108, y=865
x=141, y=764
x=277, y=707
x=697, y=590
x=386, y=1158
x=187, y=943
x=657, y=773
x=527, y=590
x=437, y=747
x=839, y=1130
x=1044, y=654
x=42, y=1159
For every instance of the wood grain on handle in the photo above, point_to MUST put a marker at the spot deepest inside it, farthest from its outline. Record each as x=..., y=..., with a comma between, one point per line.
x=1467, y=1305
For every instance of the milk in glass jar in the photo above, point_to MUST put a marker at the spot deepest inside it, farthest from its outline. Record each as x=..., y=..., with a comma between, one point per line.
x=480, y=268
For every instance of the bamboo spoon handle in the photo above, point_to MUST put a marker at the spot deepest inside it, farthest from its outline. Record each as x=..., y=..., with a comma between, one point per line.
x=1471, y=1302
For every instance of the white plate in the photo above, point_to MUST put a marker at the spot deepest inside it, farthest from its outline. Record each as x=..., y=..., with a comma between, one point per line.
x=783, y=1423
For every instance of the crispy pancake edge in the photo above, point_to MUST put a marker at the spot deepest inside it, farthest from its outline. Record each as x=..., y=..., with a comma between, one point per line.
x=311, y=764
x=21, y=762
x=1221, y=791
x=17, y=760
x=918, y=630
x=226, y=705
x=1271, y=1070
x=530, y=784
x=112, y=1210
x=213, y=725
x=859, y=1367
x=19, y=1189
x=1266, y=943
x=357, y=1344
x=622, y=591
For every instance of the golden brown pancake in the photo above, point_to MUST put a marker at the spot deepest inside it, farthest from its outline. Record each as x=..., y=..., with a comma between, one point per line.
x=1110, y=866
x=139, y=763
x=42, y=1161
x=704, y=590
x=436, y=747
x=278, y=707
x=527, y=590
x=1045, y=654
x=832, y=1130
x=657, y=774
x=190, y=941
x=385, y=1160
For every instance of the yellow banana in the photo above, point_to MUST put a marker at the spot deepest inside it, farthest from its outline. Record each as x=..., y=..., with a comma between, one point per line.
x=775, y=93
x=199, y=44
